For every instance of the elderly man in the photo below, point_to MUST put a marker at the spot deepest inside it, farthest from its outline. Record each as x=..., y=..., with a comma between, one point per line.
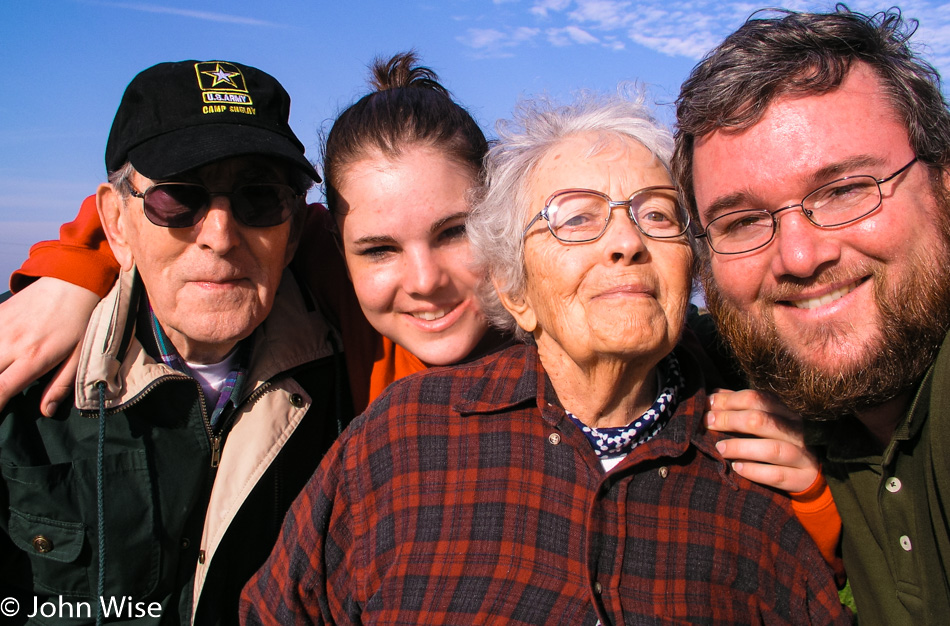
x=813, y=153
x=157, y=496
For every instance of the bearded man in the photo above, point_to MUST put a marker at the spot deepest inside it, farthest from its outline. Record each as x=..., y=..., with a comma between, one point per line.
x=812, y=151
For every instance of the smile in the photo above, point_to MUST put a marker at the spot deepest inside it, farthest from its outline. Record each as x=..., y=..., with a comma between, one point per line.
x=430, y=315
x=814, y=303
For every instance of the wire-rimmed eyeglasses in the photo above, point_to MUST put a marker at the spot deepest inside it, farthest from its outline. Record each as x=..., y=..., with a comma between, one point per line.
x=582, y=215
x=837, y=203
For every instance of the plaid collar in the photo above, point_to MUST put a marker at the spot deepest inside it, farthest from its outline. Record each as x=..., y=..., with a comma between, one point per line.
x=617, y=441
x=231, y=388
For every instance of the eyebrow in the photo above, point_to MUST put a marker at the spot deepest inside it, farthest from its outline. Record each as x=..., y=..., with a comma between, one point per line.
x=374, y=240
x=387, y=239
x=822, y=175
x=449, y=218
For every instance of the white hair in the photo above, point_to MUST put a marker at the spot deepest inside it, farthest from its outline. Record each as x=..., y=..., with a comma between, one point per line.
x=497, y=221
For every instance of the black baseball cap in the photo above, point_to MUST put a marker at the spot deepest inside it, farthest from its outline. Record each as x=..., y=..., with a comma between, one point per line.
x=178, y=116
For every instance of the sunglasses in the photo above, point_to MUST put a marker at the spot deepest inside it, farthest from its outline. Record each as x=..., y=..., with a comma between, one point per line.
x=180, y=205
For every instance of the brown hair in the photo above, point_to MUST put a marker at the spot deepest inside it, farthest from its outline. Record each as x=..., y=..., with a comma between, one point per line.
x=802, y=54
x=408, y=106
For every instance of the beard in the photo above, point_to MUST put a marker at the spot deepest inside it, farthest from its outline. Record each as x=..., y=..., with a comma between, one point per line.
x=914, y=318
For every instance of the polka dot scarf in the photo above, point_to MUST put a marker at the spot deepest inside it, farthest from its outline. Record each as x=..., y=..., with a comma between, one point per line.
x=614, y=442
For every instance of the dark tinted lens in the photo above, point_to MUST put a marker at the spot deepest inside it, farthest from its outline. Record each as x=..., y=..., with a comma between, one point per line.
x=175, y=205
x=262, y=204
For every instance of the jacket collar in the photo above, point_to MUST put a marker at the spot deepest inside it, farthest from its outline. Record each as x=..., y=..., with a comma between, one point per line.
x=294, y=334
x=530, y=385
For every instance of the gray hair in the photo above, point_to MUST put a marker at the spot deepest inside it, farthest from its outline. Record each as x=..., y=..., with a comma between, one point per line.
x=498, y=218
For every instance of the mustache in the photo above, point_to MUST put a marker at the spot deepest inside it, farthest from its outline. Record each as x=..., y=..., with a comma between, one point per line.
x=791, y=287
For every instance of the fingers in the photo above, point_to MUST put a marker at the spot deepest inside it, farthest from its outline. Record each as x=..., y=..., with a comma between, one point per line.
x=39, y=327
x=60, y=388
x=771, y=462
x=755, y=414
x=13, y=379
x=776, y=476
x=724, y=400
x=19, y=374
x=766, y=451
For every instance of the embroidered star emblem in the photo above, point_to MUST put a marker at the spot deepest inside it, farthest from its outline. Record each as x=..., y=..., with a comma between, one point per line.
x=221, y=76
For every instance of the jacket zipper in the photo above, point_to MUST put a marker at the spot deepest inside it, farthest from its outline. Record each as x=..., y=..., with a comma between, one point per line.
x=214, y=440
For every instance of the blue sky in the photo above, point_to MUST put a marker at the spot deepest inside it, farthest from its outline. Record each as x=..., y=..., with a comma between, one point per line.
x=67, y=62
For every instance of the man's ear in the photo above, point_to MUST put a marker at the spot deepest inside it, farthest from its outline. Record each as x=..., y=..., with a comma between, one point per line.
x=520, y=309
x=115, y=224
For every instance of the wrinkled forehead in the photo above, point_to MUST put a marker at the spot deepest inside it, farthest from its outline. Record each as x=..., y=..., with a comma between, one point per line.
x=605, y=162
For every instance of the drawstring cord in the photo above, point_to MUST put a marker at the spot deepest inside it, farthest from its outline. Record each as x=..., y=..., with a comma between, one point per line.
x=100, y=493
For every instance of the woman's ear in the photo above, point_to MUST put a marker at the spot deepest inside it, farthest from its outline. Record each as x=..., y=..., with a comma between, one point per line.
x=520, y=309
x=115, y=224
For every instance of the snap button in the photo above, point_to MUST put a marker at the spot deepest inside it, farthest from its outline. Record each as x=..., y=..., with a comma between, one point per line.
x=41, y=544
x=893, y=484
x=297, y=400
x=201, y=556
x=554, y=439
x=185, y=543
x=905, y=543
x=664, y=472
x=598, y=588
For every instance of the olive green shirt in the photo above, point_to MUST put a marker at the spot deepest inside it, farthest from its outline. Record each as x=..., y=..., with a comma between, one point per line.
x=895, y=507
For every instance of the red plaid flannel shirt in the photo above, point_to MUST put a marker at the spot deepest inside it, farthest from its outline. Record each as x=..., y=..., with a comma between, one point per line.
x=466, y=496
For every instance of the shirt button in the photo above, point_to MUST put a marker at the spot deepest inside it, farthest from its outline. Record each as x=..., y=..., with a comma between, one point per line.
x=664, y=472
x=905, y=543
x=554, y=439
x=297, y=400
x=893, y=484
x=41, y=544
x=598, y=588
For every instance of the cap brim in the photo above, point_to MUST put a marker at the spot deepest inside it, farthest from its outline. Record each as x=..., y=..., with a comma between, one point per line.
x=194, y=146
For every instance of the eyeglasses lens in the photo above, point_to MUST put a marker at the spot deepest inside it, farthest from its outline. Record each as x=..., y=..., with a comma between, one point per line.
x=659, y=213
x=262, y=205
x=578, y=216
x=176, y=205
x=181, y=205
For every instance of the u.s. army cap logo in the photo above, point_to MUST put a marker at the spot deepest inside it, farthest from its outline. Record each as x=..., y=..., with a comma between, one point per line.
x=223, y=88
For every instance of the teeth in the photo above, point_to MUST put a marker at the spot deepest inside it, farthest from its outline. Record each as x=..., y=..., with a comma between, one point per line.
x=814, y=303
x=430, y=315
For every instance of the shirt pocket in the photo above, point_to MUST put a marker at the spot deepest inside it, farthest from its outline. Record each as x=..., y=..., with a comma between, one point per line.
x=53, y=520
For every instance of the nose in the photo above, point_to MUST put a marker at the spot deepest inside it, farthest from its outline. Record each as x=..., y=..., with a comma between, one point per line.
x=623, y=242
x=424, y=274
x=801, y=247
x=218, y=230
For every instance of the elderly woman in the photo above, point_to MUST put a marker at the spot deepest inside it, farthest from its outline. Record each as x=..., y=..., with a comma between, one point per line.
x=566, y=480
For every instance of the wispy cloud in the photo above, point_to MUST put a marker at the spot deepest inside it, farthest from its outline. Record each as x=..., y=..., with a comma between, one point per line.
x=570, y=35
x=542, y=8
x=688, y=28
x=491, y=42
x=189, y=13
